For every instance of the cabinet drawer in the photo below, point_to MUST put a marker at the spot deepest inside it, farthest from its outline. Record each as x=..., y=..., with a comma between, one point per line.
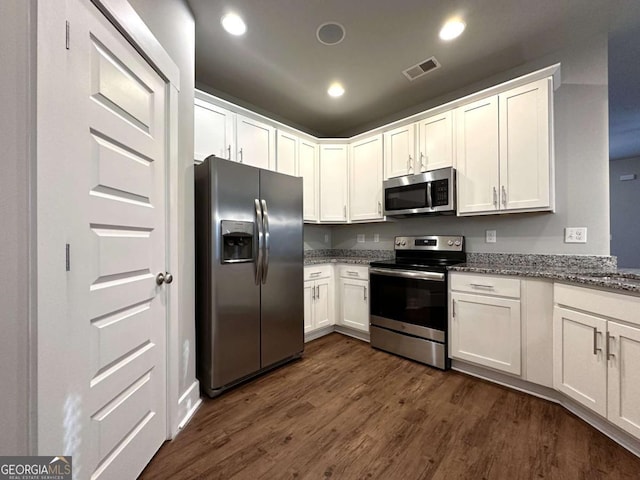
x=485, y=284
x=352, y=271
x=315, y=272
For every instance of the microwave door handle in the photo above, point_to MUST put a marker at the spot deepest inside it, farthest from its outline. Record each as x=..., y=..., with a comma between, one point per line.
x=429, y=199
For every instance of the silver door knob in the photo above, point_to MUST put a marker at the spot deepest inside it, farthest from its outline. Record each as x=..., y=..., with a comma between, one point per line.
x=164, y=278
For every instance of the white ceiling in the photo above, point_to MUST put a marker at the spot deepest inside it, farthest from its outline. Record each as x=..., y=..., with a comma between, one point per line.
x=280, y=67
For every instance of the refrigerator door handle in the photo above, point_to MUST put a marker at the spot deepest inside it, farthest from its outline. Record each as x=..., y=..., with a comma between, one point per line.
x=267, y=242
x=260, y=241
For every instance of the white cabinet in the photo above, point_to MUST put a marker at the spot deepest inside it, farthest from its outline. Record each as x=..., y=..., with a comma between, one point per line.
x=485, y=326
x=504, y=151
x=319, y=303
x=287, y=153
x=214, y=132
x=365, y=179
x=308, y=170
x=399, y=151
x=435, y=142
x=596, y=358
x=255, y=143
x=354, y=297
x=333, y=183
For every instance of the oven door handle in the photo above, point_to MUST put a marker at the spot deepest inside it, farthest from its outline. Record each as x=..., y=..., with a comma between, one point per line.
x=434, y=276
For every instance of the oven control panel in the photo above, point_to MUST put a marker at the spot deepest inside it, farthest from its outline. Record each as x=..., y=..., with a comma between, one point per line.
x=451, y=243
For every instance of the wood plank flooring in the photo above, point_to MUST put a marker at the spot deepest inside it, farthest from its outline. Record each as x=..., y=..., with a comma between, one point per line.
x=347, y=411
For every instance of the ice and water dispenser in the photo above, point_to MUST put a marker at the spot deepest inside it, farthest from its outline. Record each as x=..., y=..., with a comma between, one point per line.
x=237, y=241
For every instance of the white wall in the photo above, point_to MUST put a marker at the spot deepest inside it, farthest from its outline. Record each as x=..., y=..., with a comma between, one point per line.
x=582, y=178
x=317, y=237
x=625, y=214
x=18, y=167
x=172, y=23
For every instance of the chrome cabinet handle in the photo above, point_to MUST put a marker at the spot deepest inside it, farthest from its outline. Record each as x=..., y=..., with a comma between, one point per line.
x=351, y=272
x=260, y=241
x=410, y=164
x=314, y=274
x=313, y=292
x=267, y=241
x=318, y=295
x=595, y=341
x=608, y=345
x=379, y=208
x=453, y=309
x=365, y=294
x=229, y=152
x=240, y=154
x=495, y=197
x=344, y=211
x=480, y=285
x=504, y=196
x=422, y=166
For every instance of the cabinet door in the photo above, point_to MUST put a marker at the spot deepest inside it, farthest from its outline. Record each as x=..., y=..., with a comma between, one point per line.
x=399, y=151
x=287, y=156
x=308, y=168
x=579, y=360
x=365, y=179
x=525, y=153
x=324, y=308
x=477, y=156
x=354, y=304
x=308, y=305
x=624, y=377
x=333, y=183
x=435, y=142
x=255, y=142
x=213, y=131
x=486, y=330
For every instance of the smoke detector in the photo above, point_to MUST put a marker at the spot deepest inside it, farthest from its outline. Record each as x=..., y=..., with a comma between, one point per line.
x=330, y=33
x=422, y=68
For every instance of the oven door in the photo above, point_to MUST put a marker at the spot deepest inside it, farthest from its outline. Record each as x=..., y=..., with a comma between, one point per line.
x=410, y=302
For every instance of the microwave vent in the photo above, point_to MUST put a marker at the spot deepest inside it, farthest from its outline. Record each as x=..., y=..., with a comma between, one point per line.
x=422, y=68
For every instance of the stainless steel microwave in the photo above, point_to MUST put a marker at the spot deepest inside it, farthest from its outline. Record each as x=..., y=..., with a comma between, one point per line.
x=432, y=192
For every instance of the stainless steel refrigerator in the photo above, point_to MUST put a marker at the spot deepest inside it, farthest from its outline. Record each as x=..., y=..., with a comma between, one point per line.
x=249, y=272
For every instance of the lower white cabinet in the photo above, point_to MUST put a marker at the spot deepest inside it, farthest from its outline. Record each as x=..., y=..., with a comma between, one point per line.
x=319, y=303
x=595, y=358
x=354, y=303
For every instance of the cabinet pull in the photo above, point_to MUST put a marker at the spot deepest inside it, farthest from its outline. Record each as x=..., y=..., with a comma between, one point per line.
x=595, y=341
x=422, y=167
x=344, y=212
x=352, y=273
x=229, y=152
x=504, y=196
x=453, y=309
x=365, y=294
x=495, y=197
x=608, y=345
x=318, y=295
x=241, y=155
x=314, y=274
x=480, y=285
x=379, y=208
x=410, y=164
x=313, y=292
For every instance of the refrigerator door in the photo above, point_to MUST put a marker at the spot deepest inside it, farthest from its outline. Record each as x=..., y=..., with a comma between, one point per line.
x=282, y=273
x=235, y=296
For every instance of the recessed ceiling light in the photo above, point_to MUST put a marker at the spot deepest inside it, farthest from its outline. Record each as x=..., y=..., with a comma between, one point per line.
x=452, y=29
x=335, y=90
x=233, y=24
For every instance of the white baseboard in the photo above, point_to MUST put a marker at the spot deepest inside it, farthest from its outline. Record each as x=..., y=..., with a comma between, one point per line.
x=321, y=332
x=351, y=332
x=188, y=404
x=601, y=424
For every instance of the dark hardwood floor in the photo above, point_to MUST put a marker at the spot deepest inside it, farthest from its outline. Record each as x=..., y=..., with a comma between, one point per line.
x=347, y=411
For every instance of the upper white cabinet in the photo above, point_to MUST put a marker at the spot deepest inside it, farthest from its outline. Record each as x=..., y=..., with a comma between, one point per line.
x=255, y=143
x=399, y=151
x=308, y=170
x=333, y=183
x=503, y=153
x=365, y=179
x=287, y=153
x=435, y=142
x=214, y=132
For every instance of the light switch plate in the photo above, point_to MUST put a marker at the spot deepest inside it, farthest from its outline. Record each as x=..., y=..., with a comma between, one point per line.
x=490, y=236
x=360, y=238
x=575, y=235
x=376, y=238
x=326, y=238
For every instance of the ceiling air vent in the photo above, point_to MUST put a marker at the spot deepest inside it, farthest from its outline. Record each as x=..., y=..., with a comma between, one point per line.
x=422, y=68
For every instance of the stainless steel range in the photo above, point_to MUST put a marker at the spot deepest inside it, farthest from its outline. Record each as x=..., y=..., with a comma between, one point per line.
x=409, y=298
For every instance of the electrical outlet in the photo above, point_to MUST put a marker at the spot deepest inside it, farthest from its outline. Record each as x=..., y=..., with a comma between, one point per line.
x=326, y=238
x=490, y=236
x=376, y=238
x=360, y=238
x=575, y=235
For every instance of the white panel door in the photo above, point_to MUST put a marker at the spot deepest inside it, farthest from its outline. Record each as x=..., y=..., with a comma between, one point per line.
x=309, y=300
x=487, y=331
x=324, y=309
x=579, y=360
x=365, y=179
x=399, y=151
x=333, y=183
x=477, y=156
x=287, y=157
x=524, y=146
x=436, y=142
x=255, y=143
x=354, y=304
x=623, y=401
x=213, y=131
x=308, y=170
x=102, y=363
